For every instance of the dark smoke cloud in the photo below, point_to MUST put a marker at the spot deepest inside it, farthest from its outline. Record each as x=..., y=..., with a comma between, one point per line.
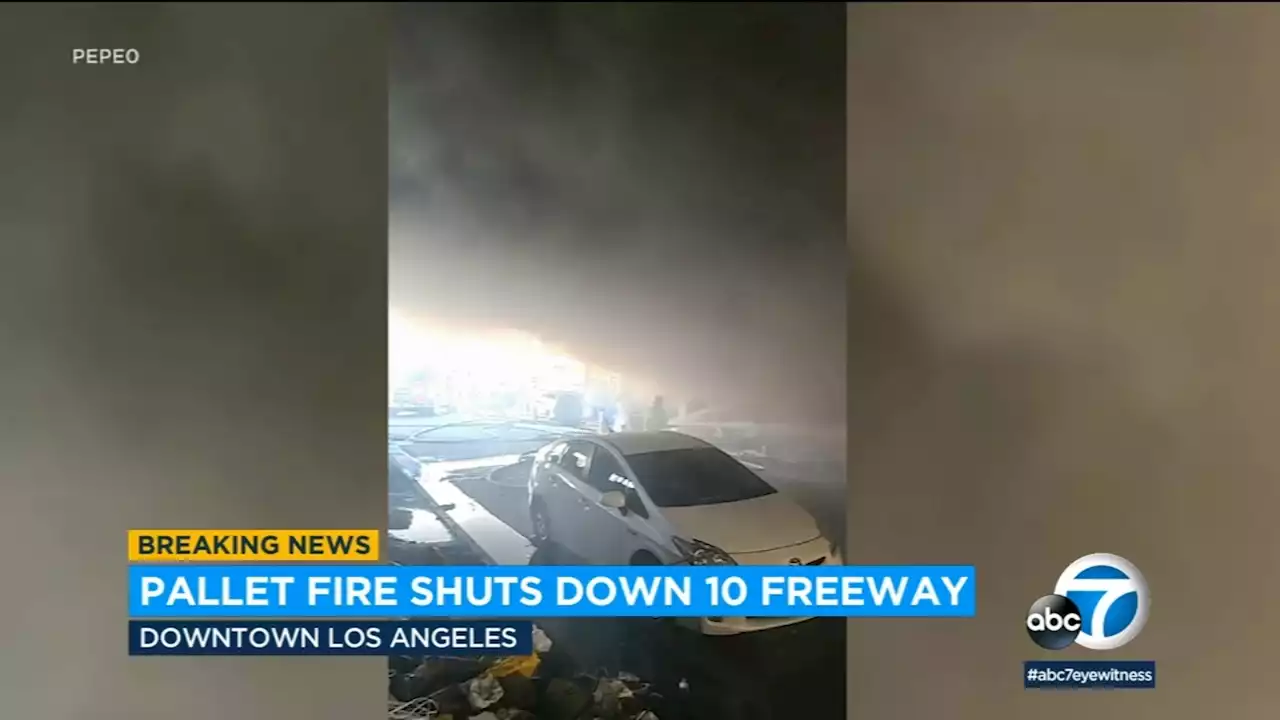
x=192, y=329
x=656, y=187
x=1074, y=206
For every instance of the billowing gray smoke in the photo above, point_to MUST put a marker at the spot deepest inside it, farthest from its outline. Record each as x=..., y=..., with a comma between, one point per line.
x=656, y=187
x=1078, y=206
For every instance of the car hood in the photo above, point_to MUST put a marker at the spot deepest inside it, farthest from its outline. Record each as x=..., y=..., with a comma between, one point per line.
x=756, y=525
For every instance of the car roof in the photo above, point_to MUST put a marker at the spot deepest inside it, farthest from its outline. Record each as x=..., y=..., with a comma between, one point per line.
x=634, y=443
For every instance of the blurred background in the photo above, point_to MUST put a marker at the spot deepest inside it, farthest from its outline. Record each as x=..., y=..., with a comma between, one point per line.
x=1073, y=207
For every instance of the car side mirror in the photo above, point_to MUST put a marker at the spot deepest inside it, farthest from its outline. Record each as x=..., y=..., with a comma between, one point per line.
x=614, y=500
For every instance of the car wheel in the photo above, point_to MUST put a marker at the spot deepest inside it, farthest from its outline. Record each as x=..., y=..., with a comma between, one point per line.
x=540, y=524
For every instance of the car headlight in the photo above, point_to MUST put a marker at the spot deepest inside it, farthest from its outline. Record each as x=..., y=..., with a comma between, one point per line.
x=697, y=552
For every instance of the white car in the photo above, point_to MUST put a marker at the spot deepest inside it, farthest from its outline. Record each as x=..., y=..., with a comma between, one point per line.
x=650, y=498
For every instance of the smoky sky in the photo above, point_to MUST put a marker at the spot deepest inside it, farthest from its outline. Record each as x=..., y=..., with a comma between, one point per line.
x=657, y=187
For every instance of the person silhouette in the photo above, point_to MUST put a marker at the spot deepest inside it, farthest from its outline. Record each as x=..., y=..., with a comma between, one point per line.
x=658, y=418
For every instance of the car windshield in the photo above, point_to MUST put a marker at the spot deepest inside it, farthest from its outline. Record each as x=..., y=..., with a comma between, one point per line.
x=696, y=476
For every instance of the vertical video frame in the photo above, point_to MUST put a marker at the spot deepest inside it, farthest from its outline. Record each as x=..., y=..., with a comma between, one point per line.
x=616, y=337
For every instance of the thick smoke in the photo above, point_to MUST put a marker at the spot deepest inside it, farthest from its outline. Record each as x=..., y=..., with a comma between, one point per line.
x=1077, y=206
x=192, y=329
x=656, y=187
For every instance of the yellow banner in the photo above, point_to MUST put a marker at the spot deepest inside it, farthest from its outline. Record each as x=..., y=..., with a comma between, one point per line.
x=157, y=546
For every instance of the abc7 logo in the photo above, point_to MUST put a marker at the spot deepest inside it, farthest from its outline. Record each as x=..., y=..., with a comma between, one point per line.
x=1054, y=622
x=1116, y=604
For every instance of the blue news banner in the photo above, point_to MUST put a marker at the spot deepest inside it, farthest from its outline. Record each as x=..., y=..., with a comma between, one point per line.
x=343, y=609
x=346, y=591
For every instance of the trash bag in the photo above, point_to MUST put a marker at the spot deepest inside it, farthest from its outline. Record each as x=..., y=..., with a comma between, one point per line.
x=518, y=692
x=484, y=691
x=541, y=643
x=564, y=700
x=609, y=695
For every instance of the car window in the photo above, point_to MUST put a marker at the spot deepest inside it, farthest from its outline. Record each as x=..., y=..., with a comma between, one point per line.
x=696, y=476
x=577, y=459
x=608, y=475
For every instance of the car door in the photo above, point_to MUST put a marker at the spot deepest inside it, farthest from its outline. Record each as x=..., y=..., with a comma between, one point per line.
x=545, y=478
x=567, y=480
x=620, y=533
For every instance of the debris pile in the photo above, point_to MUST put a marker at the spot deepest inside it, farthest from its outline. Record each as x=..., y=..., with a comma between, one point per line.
x=513, y=688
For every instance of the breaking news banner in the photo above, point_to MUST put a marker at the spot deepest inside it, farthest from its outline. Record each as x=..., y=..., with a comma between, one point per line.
x=361, y=591
x=167, y=546
x=330, y=637
x=1089, y=675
